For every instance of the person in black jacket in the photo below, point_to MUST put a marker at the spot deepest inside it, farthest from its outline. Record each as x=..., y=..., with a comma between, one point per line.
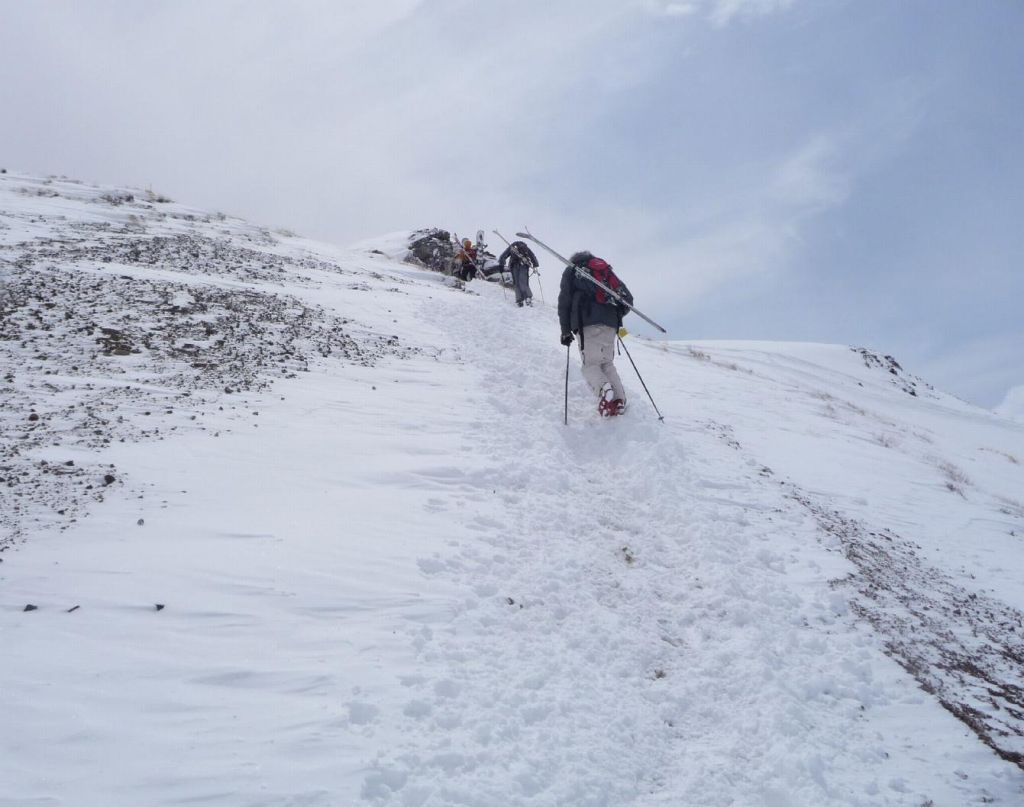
x=587, y=310
x=521, y=261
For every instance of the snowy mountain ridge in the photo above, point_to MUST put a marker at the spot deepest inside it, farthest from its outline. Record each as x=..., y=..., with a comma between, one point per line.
x=387, y=574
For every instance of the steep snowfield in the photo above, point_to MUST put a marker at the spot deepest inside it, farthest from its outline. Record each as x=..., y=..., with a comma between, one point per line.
x=380, y=570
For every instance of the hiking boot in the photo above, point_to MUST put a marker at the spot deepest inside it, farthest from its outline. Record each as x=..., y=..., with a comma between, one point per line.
x=616, y=407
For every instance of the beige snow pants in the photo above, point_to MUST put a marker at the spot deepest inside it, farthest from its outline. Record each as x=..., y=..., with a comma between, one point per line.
x=597, y=346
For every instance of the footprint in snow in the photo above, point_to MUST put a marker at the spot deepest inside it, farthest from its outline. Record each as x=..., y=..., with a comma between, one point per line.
x=362, y=714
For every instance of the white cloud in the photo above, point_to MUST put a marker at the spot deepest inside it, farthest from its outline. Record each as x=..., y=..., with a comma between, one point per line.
x=720, y=12
x=680, y=9
x=723, y=12
x=979, y=368
x=807, y=181
x=673, y=8
x=750, y=229
x=332, y=118
x=1012, y=405
x=337, y=119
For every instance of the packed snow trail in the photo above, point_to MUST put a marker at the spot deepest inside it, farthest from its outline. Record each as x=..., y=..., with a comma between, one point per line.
x=643, y=621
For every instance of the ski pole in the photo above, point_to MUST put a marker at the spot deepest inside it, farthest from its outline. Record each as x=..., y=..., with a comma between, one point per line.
x=566, y=385
x=661, y=417
x=579, y=271
x=500, y=270
x=501, y=282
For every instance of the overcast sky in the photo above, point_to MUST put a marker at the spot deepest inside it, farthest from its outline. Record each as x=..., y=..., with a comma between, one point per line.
x=845, y=171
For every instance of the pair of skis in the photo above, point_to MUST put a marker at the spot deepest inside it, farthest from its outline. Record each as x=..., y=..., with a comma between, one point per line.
x=581, y=272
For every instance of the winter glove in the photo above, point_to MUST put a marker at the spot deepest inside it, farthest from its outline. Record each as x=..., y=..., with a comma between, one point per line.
x=567, y=339
x=623, y=333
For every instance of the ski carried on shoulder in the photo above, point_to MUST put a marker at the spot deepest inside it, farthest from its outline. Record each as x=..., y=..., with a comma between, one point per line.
x=579, y=271
x=515, y=250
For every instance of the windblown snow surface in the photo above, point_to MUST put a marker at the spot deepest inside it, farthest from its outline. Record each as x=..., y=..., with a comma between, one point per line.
x=303, y=526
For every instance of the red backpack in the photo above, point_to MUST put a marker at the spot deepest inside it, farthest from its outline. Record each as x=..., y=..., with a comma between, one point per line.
x=601, y=271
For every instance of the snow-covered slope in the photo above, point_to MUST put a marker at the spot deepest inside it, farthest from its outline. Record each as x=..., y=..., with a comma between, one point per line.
x=325, y=541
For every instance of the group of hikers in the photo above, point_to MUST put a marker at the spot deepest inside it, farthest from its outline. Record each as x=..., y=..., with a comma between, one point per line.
x=586, y=311
x=518, y=259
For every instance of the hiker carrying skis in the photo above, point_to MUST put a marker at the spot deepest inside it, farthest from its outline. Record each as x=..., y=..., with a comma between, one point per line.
x=589, y=311
x=465, y=261
x=521, y=261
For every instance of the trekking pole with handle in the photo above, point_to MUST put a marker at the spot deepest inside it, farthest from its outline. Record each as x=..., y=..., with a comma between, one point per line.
x=501, y=281
x=540, y=285
x=661, y=417
x=579, y=271
x=566, y=385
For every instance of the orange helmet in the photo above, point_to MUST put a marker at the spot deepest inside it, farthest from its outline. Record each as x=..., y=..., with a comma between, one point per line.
x=467, y=243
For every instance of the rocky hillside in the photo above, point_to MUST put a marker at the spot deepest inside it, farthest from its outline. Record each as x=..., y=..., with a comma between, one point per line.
x=119, y=305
